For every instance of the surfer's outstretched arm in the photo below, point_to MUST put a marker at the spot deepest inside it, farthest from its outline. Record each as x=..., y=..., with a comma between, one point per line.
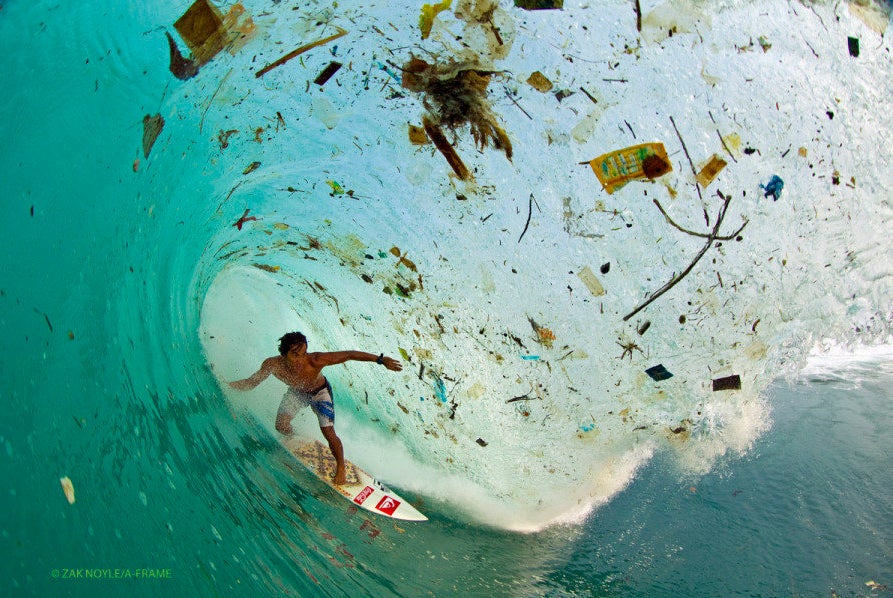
x=257, y=377
x=336, y=357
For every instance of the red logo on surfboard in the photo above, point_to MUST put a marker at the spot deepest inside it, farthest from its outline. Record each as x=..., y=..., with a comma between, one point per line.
x=388, y=505
x=363, y=495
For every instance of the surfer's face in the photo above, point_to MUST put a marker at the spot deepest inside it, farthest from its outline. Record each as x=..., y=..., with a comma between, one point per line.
x=297, y=350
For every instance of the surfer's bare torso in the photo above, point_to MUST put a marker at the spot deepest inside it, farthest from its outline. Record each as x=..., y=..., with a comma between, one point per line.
x=302, y=374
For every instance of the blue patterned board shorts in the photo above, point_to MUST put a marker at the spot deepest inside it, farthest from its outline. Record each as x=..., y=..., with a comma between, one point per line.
x=320, y=402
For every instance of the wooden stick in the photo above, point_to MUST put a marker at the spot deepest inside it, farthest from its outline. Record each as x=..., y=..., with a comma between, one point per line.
x=441, y=143
x=300, y=51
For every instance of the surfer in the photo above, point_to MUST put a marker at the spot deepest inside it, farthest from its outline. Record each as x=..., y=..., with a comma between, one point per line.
x=302, y=372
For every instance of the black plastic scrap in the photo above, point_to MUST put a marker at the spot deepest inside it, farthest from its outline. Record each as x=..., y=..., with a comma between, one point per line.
x=853, y=43
x=658, y=373
x=482, y=442
x=327, y=73
x=182, y=68
x=728, y=383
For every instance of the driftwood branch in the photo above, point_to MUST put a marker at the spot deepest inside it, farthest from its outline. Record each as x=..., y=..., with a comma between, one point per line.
x=693, y=233
x=711, y=238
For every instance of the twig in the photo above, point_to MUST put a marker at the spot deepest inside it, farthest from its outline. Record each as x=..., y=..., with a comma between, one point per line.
x=692, y=164
x=816, y=54
x=638, y=16
x=589, y=95
x=299, y=51
x=509, y=96
x=529, y=212
x=723, y=142
x=521, y=398
x=211, y=101
x=713, y=236
x=694, y=234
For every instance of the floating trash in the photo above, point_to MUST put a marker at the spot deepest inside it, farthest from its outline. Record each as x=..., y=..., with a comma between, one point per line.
x=539, y=82
x=773, y=188
x=152, y=126
x=658, y=373
x=615, y=169
x=327, y=73
x=591, y=281
x=68, y=489
x=426, y=17
x=727, y=383
x=710, y=170
x=417, y=135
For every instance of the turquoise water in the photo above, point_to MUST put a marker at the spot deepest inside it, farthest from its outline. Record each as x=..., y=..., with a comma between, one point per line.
x=110, y=257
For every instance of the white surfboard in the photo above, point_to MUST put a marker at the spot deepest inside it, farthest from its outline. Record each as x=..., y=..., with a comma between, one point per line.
x=361, y=488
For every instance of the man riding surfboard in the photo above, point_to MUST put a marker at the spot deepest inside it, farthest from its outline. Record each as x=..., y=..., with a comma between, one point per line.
x=302, y=373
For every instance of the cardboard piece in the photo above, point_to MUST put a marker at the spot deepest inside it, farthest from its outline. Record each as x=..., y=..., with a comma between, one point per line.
x=201, y=27
x=539, y=82
x=710, y=170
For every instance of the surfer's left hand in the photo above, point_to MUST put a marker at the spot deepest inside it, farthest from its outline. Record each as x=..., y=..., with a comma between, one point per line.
x=391, y=364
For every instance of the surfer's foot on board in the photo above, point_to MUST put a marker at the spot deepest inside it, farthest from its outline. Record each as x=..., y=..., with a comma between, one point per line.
x=340, y=477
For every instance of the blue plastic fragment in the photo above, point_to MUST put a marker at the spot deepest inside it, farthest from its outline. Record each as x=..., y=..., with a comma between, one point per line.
x=440, y=390
x=530, y=357
x=388, y=71
x=773, y=187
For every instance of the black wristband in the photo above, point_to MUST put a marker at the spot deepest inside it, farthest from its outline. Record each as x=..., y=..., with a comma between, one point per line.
x=380, y=359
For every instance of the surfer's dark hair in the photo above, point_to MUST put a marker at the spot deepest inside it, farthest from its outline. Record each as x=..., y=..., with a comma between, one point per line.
x=289, y=340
